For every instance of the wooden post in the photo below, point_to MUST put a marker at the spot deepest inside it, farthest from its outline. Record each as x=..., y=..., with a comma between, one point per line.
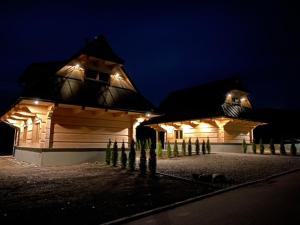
x=221, y=133
x=166, y=140
x=251, y=135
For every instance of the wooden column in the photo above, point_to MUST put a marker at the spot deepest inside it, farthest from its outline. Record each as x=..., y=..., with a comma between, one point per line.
x=221, y=122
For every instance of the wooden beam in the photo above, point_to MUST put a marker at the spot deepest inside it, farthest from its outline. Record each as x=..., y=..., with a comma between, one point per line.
x=157, y=127
x=14, y=117
x=119, y=114
x=24, y=114
x=190, y=123
x=222, y=122
x=41, y=109
x=176, y=126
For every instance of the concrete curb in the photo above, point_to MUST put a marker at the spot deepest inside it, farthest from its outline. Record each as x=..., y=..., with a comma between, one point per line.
x=188, y=180
x=193, y=199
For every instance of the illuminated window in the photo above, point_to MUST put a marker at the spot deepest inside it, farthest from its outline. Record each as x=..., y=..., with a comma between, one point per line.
x=178, y=134
x=236, y=101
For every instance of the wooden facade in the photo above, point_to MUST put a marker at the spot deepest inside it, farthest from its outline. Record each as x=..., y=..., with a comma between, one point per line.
x=70, y=110
x=219, y=111
x=218, y=130
x=46, y=125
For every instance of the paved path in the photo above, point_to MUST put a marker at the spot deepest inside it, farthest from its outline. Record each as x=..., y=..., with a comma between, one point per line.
x=274, y=202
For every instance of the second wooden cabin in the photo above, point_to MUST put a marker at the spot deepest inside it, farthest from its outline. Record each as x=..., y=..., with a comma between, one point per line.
x=219, y=111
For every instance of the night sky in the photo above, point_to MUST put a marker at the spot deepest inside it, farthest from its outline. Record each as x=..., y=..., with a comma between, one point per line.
x=166, y=46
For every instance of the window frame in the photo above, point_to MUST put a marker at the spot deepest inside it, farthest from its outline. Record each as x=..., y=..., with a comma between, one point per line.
x=178, y=134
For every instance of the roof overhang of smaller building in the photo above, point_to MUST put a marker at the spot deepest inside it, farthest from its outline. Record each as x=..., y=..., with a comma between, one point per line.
x=221, y=122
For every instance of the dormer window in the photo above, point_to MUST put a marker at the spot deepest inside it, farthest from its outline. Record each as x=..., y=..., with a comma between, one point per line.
x=91, y=74
x=236, y=101
x=97, y=75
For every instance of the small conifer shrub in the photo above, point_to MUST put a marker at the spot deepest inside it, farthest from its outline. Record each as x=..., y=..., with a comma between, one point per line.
x=190, y=147
x=175, y=149
x=203, y=147
x=253, y=147
x=244, y=146
x=138, y=145
x=152, y=164
x=197, y=146
x=208, y=146
x=261, y=147
x=123, y=156
x=282, y=147
x=169, y=150
x=108, y=153
x=143, y=161
x=183, y=148
x=132, y=156
x=272, y=146
x=146, y=145
x=293, y=149
x=149, y=144
x=159, y=150
x=115, y=154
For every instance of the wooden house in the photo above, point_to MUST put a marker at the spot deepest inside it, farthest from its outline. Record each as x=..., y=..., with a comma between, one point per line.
x=219, y=111
x=70, y=109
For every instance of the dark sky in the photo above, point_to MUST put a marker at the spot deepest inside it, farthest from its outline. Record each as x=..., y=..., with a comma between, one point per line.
x=166, y=45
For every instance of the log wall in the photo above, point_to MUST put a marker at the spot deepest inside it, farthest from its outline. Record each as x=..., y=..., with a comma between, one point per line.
x=88, y=129
x=234, y=133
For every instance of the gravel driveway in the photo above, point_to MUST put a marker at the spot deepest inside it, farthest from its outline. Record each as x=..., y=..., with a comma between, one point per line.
x=236, y=167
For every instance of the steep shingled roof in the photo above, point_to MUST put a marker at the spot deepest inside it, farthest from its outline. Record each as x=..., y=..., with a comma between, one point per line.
x=201, y=101
x=41, y=81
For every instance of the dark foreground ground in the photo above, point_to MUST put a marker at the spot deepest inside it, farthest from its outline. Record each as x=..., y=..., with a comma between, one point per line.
x=95, y=193
x=237, y=167
x=274, y=202
x=84, y=194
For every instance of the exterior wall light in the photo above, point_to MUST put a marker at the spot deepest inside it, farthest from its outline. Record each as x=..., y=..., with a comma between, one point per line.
x=117, y=76
x=140, y=120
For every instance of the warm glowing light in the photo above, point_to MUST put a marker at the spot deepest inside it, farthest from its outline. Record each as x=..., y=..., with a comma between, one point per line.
x=36, y=102
x=77, y=66
x=205, y=127
x=229, y=95
x=148, y=114
x=243, y=99
x=117, y=76
x=11, y=121
x=169, y=129
x=140, y=119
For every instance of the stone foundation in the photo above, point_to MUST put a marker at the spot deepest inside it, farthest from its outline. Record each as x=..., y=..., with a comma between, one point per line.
x=59, y=157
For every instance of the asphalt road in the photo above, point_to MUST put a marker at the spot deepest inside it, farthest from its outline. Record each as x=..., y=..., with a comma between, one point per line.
x=273, y=202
